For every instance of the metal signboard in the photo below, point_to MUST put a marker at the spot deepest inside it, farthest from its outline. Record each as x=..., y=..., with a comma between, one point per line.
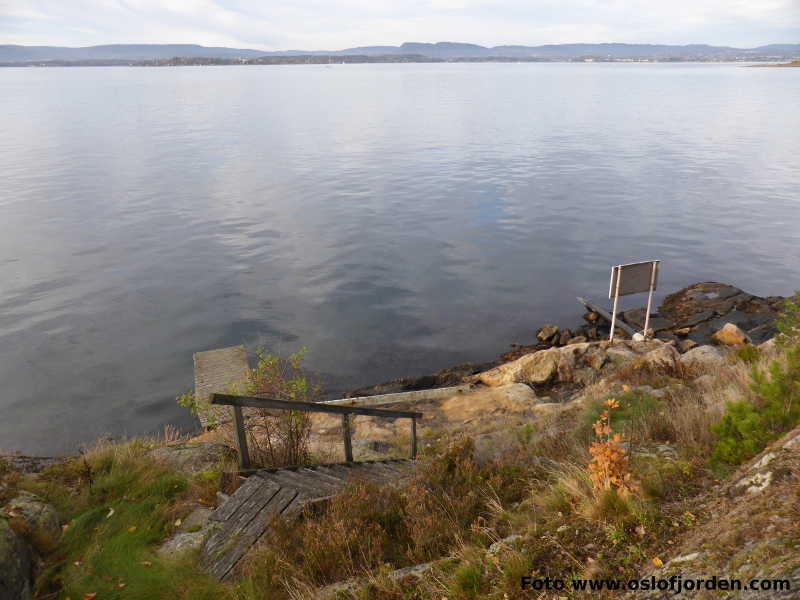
x=633, y=278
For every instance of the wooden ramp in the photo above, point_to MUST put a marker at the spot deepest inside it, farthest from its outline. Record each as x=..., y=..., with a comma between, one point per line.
x=243, y=518
x=214, y=372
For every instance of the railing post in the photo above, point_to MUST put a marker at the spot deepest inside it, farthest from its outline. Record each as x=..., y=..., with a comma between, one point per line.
x=348, y=444
x=241, y=438
x=413, y=438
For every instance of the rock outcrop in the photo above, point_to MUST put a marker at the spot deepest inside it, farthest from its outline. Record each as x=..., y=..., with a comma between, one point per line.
x=577, y=363
x=194, y=457
x=752, y=530
x=16, y=565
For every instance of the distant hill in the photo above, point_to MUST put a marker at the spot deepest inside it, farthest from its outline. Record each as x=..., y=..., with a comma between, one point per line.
x=439, y=50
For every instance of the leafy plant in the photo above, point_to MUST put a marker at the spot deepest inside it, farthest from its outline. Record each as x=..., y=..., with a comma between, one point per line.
x=280, y=438
x=608, y=468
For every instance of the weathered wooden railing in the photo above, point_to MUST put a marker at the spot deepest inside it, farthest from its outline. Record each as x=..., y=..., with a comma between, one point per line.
x=239, y=402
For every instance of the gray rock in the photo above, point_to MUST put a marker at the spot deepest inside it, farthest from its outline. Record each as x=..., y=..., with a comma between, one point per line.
x=38, y=514
x=183, y=541
x=197, y=519
x=16, y=565
x=704, y=357
x=194, y=457
x=500, y=545
x=664, y=356
x=620, y=354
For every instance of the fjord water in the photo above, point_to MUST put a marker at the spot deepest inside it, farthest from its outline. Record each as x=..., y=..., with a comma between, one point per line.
x=394, y=219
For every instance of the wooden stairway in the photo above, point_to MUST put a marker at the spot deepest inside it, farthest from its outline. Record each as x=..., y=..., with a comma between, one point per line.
x=243, y=518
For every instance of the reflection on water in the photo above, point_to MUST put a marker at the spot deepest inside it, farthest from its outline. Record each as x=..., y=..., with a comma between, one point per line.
x=394, y=219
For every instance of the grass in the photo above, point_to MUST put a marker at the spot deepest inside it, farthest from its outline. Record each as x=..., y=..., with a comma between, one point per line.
x=119, y=505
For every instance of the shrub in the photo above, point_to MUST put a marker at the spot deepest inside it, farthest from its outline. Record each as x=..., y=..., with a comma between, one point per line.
x=748, y=354
x=608, y=468
x=280, y=438
x=746, y=428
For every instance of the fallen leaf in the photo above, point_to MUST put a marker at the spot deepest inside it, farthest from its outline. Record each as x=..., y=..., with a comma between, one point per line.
x=120, y=585
x=132, y=528
x=91, y=596
x=658, y=562
x=110, y=514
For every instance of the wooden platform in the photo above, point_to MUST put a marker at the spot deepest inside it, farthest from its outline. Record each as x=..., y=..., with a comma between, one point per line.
x=243, y=518
x=215, y=371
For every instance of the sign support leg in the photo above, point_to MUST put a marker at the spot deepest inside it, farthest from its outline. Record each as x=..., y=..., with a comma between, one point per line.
x=650, y=297
x=614, y=310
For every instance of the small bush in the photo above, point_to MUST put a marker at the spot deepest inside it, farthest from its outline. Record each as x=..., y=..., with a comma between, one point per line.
x=747, y=427
x=747, y=354
x=608, y=468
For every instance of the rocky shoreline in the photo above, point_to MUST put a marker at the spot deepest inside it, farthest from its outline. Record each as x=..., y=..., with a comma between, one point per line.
x=688, y=318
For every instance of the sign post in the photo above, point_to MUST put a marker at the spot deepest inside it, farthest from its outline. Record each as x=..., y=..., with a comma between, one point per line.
x=632, y=279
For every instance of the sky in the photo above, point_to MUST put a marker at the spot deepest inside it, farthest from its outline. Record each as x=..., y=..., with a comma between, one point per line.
x=338, y=24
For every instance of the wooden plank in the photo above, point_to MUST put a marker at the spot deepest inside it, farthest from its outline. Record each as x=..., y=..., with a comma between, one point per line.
x=347, y=437
x=222, y=548
x=606, y=315
x=327, y=471
x=413, y=396
x=241, y=438
x=247, y=514
x=311, y=406
x=245, y=491
x=215, y=371
x=333, y=480
x=313, y=486
x=249, y=534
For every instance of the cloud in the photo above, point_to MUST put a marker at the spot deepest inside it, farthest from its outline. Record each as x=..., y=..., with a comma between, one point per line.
x=336, y=24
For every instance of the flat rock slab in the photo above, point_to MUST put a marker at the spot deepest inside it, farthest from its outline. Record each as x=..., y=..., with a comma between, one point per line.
x=238, y=523
x=215, y=371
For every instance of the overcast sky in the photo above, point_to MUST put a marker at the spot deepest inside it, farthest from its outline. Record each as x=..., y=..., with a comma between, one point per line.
x=337, y=24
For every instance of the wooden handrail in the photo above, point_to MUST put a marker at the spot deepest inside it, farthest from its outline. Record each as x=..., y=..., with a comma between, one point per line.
x=238, y=402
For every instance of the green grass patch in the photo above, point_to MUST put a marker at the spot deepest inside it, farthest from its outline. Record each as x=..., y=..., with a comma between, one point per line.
x=635, y=407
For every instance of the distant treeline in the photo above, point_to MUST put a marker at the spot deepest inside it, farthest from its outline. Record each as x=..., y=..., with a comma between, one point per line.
x=332, y=59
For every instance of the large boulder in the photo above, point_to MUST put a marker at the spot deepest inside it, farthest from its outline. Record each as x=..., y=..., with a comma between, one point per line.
x=38, y=515
x=16, y=565
x=663, y=357
x=511, y=398
x=731, y=335
x=193, y=457
x=702, y=357
x=541, y=368
x=535, y=368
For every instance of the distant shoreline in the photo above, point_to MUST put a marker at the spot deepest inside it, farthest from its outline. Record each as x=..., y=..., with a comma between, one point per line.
x=365, y=59
x=794, y=63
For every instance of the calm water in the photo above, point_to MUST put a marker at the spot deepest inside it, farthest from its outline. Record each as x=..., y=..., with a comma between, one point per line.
x=394, y=219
